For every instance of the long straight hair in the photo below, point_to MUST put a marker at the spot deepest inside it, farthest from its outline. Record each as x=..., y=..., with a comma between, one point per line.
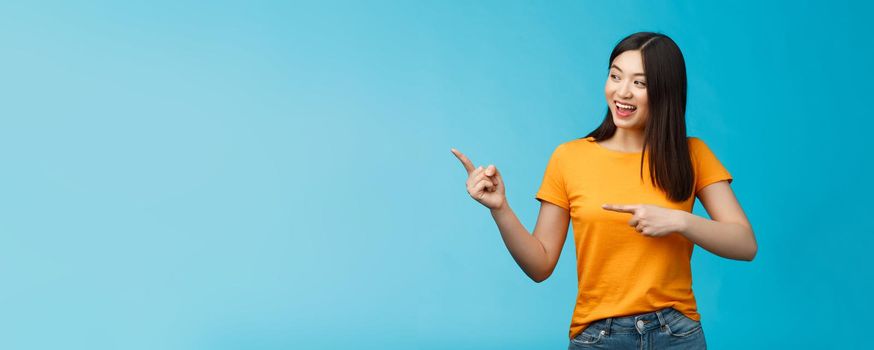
x=670, y=165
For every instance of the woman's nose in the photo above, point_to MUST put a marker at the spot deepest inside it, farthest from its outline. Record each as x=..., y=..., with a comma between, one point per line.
x=624, y=91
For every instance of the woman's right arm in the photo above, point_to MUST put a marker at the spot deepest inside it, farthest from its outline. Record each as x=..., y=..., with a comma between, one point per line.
x=536, y=254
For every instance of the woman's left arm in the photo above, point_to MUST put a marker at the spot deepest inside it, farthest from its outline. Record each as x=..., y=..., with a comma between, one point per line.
x=729, y=234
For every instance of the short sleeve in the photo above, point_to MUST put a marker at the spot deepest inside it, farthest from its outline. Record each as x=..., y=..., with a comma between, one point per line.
x=708, y=169
x=553, y=189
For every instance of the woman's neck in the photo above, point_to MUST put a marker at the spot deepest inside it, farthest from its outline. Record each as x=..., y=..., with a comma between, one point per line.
x=625, y=140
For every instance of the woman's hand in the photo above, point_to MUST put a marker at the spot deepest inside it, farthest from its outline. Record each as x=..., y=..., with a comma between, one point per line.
x=652, y=220
x=483, y=185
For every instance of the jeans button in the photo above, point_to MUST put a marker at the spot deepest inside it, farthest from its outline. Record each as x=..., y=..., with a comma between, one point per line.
x=640, y=324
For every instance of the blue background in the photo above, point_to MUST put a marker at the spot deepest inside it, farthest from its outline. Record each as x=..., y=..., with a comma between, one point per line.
x=273, y=175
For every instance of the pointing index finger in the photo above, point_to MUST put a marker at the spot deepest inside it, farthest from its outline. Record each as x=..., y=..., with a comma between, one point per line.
x=468, y=165
x=620, y=208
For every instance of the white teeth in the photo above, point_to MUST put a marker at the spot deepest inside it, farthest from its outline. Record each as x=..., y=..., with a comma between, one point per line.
x=625, y=106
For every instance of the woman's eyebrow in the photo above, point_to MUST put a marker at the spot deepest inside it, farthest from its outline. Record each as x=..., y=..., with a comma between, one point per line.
x=620, y=69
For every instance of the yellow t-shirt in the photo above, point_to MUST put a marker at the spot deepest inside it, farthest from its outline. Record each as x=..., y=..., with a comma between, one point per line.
x=621, y=272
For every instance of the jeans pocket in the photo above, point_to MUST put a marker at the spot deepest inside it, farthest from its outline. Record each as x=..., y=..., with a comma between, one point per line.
x=683, y=326
x=590, y=335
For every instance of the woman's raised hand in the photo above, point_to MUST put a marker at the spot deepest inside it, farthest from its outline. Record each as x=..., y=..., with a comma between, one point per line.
x=483, y=184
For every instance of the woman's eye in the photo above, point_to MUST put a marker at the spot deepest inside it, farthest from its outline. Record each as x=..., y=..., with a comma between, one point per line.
x=640, y=83
x=614, y=76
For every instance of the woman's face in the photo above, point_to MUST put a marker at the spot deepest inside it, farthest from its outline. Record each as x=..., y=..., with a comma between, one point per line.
x=626, y=91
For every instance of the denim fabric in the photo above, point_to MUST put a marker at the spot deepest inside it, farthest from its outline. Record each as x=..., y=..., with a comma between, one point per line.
x=663, y=329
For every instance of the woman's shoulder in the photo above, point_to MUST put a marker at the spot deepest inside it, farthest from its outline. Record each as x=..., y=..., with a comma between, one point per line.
x=575, y=145
x=696, y=144
x=694, y=140
x=699, y=149
x=579, y=142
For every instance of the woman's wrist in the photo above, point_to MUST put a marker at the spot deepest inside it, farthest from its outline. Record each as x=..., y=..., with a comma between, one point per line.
x=500, y=209
x=683, y=220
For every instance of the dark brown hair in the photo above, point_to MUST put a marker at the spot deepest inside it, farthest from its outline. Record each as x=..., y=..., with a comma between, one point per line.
x=670, y=165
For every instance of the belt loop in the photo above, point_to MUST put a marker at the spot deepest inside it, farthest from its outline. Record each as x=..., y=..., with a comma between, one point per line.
x=607, y=327
x=661, y=318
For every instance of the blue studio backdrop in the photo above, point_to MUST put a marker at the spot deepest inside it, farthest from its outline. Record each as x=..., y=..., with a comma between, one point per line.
x=278, y=175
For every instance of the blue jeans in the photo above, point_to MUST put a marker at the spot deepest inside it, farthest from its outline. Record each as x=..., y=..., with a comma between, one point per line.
x=663, y=329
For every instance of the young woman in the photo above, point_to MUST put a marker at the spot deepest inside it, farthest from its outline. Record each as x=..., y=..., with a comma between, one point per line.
x=628, y=188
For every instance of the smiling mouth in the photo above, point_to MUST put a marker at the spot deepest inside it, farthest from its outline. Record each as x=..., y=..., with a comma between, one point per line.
x=625, y=107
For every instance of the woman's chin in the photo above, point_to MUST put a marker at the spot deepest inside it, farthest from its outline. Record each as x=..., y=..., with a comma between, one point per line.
x=625, y=123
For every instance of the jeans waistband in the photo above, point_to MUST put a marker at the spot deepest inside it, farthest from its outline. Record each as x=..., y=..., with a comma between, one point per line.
x=641, y=323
